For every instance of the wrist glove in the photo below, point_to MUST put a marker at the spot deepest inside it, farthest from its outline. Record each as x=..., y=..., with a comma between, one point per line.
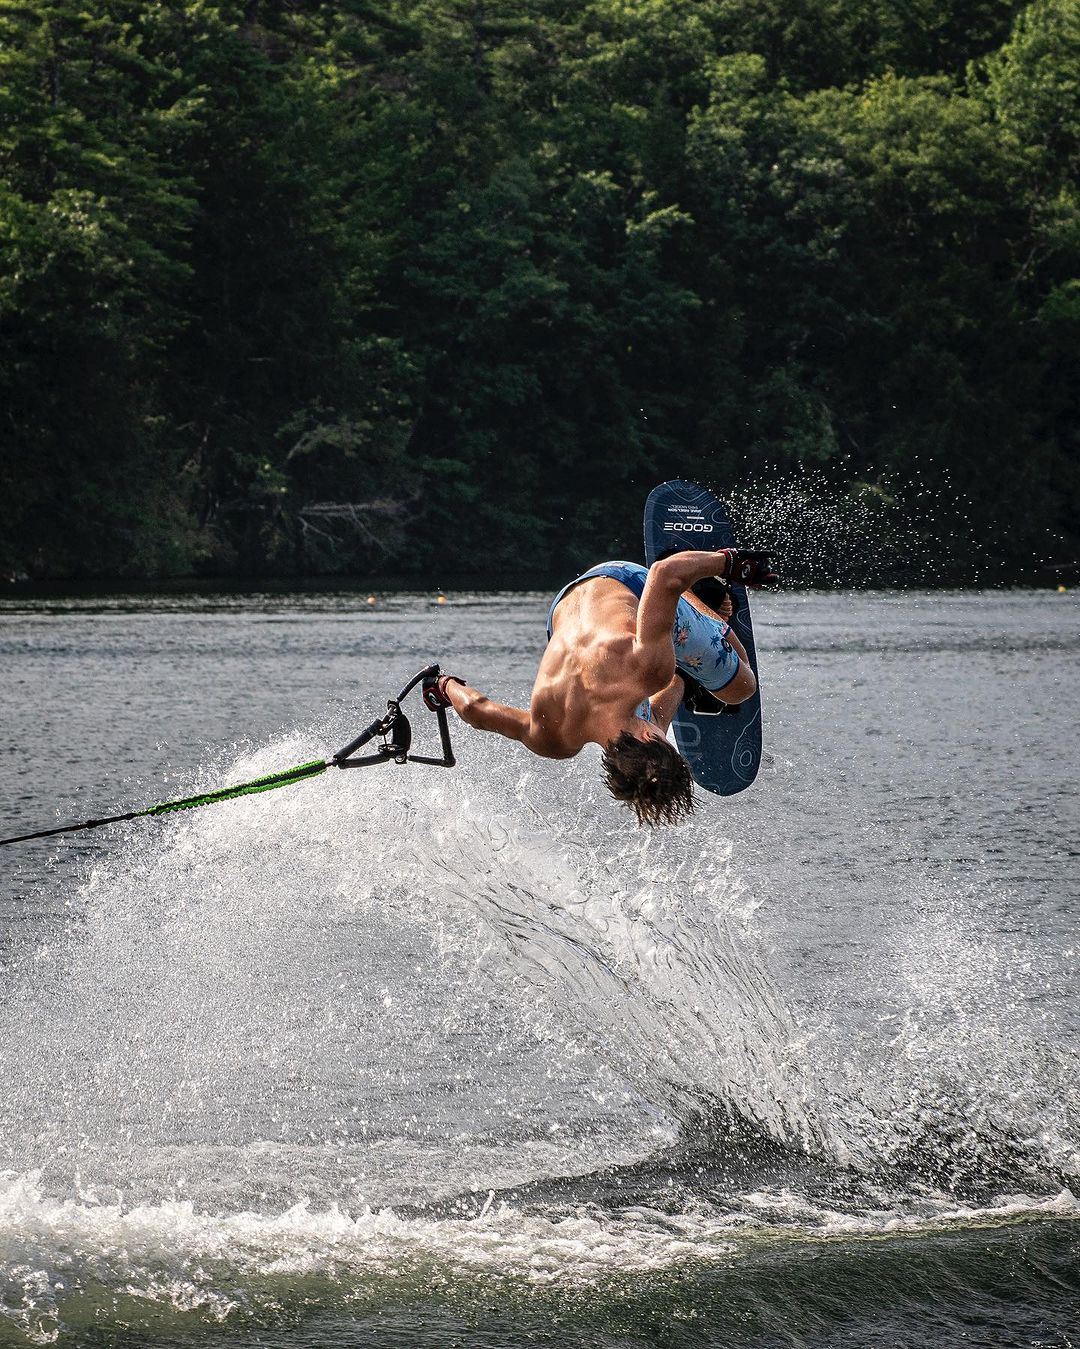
x=748, y=568
x=434, y=691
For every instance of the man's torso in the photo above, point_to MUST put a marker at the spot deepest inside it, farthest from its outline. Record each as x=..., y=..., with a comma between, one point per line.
x=589, y=676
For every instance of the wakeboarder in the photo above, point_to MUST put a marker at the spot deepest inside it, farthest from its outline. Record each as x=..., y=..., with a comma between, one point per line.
x=624, y=641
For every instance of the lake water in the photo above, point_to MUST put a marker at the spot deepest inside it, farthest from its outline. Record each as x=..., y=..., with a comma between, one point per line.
x=419, y=1058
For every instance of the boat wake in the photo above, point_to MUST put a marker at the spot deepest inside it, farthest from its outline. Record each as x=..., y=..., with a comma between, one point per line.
x=296, y=1049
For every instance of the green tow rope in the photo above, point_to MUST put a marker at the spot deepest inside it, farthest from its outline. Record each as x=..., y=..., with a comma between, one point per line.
x=266, y=784
x=392, y=730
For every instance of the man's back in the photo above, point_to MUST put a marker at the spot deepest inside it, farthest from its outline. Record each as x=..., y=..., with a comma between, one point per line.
x=589, y=673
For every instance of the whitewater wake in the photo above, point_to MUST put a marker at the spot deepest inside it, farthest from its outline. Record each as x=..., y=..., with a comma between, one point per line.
x=388, y=1020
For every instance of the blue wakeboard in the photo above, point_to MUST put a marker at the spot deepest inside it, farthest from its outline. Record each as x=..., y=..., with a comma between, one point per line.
x=723, y=751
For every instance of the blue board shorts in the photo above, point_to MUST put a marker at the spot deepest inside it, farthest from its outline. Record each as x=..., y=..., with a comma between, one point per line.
x=702, y=649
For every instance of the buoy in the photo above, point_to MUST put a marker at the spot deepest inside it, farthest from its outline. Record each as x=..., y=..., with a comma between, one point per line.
x=441, y=599
x=372, y=600
x=1062, y=589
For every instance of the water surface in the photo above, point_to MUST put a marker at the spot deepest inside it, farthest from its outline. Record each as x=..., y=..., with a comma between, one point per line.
x=423, y=1058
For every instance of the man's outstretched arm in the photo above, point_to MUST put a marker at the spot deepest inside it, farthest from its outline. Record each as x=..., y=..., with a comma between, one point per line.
x=673, y=575
x=476, y=709
x=666, y=581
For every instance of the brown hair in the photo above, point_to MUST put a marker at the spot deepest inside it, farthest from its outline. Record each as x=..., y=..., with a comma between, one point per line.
x=651, y=776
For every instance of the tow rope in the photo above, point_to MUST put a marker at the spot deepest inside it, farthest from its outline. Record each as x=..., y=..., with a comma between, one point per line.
x=395, y=743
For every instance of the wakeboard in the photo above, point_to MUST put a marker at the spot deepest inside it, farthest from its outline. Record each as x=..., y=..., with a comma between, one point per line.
x=722, y=748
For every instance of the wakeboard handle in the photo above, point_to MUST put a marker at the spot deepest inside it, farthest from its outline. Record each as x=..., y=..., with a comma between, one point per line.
x=394, y=728
x=396, y=731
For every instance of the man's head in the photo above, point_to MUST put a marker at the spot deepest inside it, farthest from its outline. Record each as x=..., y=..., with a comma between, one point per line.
x=649, y=775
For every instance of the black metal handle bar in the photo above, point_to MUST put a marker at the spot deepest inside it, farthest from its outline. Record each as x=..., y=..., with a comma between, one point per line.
x=447, y=760
x=396, y=730
x=428, y=672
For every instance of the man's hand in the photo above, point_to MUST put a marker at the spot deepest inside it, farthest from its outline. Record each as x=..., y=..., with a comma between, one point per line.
x=476, y=709
x=748, y=568
x=434, y=691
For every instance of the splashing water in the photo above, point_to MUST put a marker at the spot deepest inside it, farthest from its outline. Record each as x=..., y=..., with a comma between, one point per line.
x=225, y=968
x=887, y=531
x=384, y=1022
x=277, y=1026
x=304, y=1014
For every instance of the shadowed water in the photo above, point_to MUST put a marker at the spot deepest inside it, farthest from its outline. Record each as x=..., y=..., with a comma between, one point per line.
x=425, y=1058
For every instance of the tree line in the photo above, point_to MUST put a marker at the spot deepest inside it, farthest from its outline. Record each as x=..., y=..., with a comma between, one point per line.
x=374, y=285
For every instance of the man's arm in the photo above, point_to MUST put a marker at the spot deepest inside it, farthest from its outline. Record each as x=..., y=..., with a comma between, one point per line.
x=476, y=709
x=665, y=704
x=672, y=575
x=666, y=581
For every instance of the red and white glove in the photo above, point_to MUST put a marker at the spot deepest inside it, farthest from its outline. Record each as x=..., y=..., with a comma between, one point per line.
x=747, y=568
x=434, y=691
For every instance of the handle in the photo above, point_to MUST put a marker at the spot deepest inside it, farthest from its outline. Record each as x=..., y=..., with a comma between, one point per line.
x=396, y=731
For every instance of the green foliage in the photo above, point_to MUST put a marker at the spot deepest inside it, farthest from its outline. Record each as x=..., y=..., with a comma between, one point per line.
x=94, y=205
x=352, y=286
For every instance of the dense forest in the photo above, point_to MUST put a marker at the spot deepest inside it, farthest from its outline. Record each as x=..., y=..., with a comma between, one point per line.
x=304, y=288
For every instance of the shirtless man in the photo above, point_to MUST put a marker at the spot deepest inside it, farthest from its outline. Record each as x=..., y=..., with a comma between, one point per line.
x=618, y=637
